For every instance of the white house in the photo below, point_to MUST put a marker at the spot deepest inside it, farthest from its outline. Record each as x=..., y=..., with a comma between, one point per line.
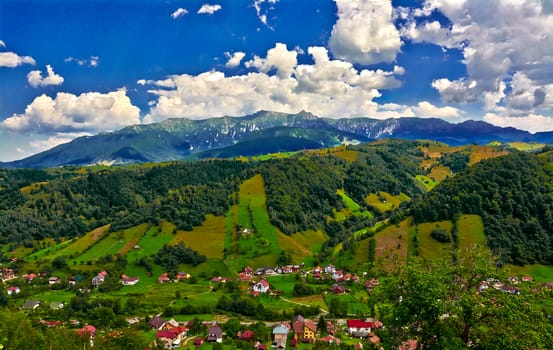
x=260, y=287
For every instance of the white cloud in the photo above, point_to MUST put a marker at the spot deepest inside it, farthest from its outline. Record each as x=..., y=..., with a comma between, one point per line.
x=329, y=88
x=426, y=109
x=365, y=32
x=12, y=60
x=262, y=10
x=93, y=61
x=278, y=58
x=532, y=122
x=179, y=13
x=499, y=40
x=234, y=59
x=209, y=9
x=53, y=141
x=2, y=43
x=88, y=112
x=35, y=78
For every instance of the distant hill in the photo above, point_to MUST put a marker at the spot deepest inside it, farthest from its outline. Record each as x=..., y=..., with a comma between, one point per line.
x=261, y=132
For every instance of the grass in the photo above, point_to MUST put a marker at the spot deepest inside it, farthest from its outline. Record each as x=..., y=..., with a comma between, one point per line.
x=427, y=181
x=393, y=237
x=470, y=229
x=347, y=155
x=261, y=246
x=526, y=146
x=208, y=239
x=479, y=153
x=115, y=243
x=540, y=273
x=302, y=245
x=388, y=203
x=75, y=247
x=429, y=247
x=352, y=208
x=439, y=173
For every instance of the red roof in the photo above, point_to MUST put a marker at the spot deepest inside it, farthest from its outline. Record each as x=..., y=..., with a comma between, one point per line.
x=359, y=324
x=166, y=334
x=246, y=335
x=88, y=329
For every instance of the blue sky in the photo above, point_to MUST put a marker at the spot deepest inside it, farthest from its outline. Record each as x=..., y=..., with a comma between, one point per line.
x=70, y=68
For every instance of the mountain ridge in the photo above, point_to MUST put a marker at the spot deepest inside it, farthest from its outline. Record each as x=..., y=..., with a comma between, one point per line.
x=177, y=138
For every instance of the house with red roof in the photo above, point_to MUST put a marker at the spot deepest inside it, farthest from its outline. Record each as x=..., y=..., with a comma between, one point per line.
x=171, y=338
x=163, y=278
x=304, y=330
x=410, y=344
x=260, y=287
x=13, y=290
x=246, y=335
x=358, y=328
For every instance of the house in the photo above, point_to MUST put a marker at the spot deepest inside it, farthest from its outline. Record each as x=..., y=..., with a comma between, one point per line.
x=269, y=271
x=7, y=274
x=13, y=290
x=330, y=269
x=88, y=330
x=358, y=328
x=129, y=281
x=163, y=278
x=304, y=330
x=410, y=344
x=157, y=323
x=330, y=339
x=246, y=335
x=29, y=277
x=337, y=275
x=171, y=324
x=510, y=289
x=53, y=280
x=260, y=271
x=371, y=284
x=337, y=289
x=198, y=341
x=260, y=287
x=182, y=276
x=374, y=339
x=318, y=269
x=288, y=269
x=280, y=335
x=330, y=328
x=215, y=334
x=527, y=278
x=171, y=338
x=99, y=278
x=260, y=346
x=31, y=304
x=51, y=324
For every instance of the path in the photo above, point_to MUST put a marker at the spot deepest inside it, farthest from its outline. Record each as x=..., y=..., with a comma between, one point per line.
x=302, y=304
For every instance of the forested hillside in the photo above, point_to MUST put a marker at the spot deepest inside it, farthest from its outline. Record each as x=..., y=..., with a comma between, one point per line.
x=512, y=194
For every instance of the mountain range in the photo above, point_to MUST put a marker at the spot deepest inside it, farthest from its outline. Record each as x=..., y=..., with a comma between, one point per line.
x=259, y=133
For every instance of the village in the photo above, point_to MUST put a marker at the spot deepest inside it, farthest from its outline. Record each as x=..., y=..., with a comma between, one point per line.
x=326, y=327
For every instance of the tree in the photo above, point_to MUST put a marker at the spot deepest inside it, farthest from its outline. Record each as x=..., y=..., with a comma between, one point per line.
x=440, y=303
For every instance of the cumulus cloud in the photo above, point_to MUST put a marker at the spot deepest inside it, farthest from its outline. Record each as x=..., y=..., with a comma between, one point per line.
x=365, y=32
x=209, y=9
x=532, y=122
x=278, y=58
x=234, y=59
x=426, y=109
x=35, y=78
x=179, y=13
x=12, y=60
x=499, y=40
x=330, y=88
x=88, y=112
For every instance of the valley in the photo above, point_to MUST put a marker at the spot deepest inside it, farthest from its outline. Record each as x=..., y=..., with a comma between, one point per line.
x=334, y=233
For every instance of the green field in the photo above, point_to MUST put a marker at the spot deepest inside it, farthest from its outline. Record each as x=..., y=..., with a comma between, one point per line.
x=471, y=231
x=384, y=201
x=74, y=247
x=540, y=273
x=428, y=182
x=302, y=245
x=208, y=239
x=115, y=243
x=352, y=208
x=429, y=247
x=254, y=239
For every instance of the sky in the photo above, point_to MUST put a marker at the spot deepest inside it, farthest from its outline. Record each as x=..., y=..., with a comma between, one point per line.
x=71, y=68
